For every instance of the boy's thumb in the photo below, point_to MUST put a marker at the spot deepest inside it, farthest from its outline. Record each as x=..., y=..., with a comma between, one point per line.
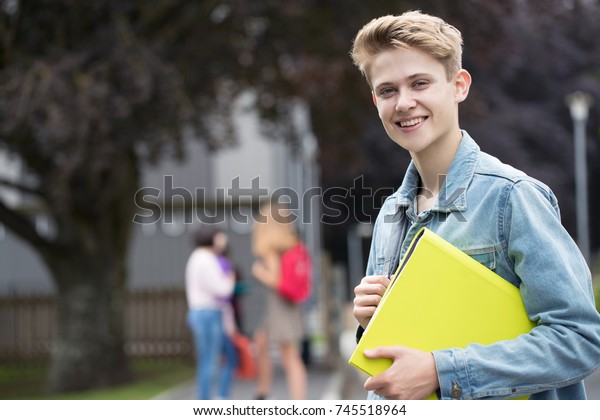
x=382, y=353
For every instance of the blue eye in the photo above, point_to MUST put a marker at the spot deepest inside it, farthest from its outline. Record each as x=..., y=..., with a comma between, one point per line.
x=386, y=91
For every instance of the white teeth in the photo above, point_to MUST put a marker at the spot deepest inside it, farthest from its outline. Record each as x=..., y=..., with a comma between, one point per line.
x=412, y=122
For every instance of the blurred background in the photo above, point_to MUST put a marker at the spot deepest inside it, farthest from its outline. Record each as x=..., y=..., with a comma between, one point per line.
x=124, y=125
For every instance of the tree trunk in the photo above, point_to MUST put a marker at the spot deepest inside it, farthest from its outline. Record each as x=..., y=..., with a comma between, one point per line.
x=88, y=351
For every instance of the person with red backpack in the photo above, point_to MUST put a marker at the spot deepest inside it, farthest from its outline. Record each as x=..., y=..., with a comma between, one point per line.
x=283, y=265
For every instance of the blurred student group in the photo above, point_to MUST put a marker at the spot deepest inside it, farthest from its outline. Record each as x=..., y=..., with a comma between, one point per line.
x=297, y=316
x=283, y=265
x=205, y=268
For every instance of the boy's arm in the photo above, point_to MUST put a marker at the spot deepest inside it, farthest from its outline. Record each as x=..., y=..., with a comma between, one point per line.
x=564, y=347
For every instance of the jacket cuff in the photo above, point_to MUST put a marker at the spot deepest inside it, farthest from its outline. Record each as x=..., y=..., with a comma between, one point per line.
x=452, y=372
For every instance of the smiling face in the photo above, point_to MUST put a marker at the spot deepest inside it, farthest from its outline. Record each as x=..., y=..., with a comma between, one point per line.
x=416, y=102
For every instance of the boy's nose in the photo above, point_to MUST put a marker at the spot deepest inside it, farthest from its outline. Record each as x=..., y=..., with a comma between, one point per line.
x=405, y=102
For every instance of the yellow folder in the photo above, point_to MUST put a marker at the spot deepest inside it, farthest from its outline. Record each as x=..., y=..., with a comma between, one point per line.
x=441, y=298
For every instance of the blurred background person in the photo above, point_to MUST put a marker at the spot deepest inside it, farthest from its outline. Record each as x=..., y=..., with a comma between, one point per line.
x=239, y=290
x=282, y=323
x=209, y=287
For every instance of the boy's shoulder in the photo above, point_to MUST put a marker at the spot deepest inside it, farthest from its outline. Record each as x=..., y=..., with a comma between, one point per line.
x=489, y=165
x=492, y=167
x=486, y=173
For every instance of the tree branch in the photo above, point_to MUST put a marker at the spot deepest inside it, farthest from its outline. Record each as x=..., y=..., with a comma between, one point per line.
x=20, y=187
x=23, y=227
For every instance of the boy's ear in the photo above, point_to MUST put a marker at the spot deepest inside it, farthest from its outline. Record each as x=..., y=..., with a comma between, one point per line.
x=462, y=84
x=374, y=98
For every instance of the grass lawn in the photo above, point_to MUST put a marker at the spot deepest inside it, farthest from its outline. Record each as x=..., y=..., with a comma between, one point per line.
x=152, y=378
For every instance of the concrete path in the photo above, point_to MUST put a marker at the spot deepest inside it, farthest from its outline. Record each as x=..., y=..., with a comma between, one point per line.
x=323, y=384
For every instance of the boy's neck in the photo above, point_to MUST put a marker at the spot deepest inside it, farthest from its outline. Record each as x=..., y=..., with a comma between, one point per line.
x=433, y=165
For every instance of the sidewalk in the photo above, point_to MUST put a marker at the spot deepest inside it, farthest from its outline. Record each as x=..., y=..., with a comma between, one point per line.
x=340, y=383
x=323, y=384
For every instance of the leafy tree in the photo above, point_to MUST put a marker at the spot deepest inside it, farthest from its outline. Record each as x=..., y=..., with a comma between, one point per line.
x=84, y=100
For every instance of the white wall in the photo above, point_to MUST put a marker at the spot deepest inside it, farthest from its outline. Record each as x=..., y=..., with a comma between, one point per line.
x=254, y=155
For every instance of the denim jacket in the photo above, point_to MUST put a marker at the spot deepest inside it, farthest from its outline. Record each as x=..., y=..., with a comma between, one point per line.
x=510, y=223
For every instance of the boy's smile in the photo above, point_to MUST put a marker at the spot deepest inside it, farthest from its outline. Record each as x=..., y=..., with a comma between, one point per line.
x=410, y=123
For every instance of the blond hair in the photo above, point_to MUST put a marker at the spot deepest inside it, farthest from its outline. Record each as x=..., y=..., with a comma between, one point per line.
x=412, y=29
x=273, y=230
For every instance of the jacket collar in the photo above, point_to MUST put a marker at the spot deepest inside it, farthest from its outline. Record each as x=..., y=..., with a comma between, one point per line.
x=453, y=193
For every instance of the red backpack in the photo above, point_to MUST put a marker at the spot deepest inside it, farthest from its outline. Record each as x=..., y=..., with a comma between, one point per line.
x=296, y=273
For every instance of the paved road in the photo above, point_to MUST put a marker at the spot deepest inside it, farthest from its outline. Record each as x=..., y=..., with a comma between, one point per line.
x=324, y=384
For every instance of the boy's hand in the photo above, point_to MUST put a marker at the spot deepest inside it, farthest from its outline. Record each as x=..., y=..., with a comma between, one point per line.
x=412, y=376
x=368, y=295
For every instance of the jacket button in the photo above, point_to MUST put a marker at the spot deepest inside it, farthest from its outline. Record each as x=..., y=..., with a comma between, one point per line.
x=456, y=393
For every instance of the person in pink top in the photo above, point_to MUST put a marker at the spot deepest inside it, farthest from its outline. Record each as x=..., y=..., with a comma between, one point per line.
x=208, y=290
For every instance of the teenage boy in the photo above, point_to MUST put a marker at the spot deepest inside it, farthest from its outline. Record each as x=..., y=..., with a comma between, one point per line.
x=501, y=217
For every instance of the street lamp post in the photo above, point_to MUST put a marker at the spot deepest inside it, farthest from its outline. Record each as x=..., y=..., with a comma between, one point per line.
x=579, y=104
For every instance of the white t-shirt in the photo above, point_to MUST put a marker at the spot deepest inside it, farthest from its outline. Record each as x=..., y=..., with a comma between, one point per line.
x=207, y=285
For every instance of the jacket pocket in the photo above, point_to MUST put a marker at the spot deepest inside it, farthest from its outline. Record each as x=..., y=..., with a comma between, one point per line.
x=485, y=256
